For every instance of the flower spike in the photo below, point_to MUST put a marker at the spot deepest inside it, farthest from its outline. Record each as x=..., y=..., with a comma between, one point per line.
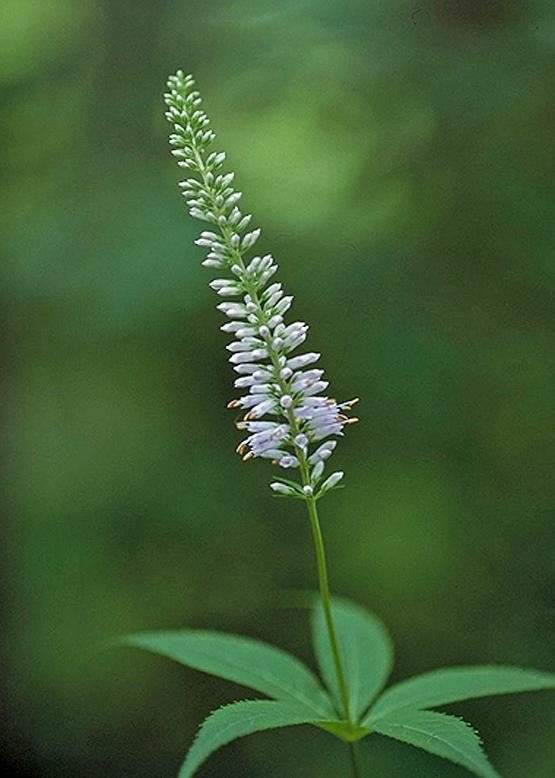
x=286, y=410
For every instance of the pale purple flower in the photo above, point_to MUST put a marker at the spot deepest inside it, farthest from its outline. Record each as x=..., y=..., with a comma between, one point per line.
x=289, y=415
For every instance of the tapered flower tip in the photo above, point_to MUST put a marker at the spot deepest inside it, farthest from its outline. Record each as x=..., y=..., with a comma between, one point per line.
x=317, y=470
x=279, y=488
x=332, y=480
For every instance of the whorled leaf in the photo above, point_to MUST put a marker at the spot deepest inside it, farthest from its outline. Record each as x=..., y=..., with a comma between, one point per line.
x=243, y=660
x=366, y=652
x=453, y=684
x=237, y=720
x=439, y=734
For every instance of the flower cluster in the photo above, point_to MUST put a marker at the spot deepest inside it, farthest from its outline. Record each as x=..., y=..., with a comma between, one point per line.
x=288, y=418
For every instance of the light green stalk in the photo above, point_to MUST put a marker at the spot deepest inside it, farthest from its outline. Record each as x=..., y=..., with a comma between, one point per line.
x=326, y=604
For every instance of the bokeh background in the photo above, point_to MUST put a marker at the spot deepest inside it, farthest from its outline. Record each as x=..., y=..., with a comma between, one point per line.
x=395, y=154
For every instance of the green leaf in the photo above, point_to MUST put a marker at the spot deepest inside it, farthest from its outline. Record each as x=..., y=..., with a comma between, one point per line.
x=453, y=684
x=235, y=721
x=440, y=734
x=245, y=661
x=365, y=648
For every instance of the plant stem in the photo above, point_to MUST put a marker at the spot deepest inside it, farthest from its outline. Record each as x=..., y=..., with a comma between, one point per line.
x=355, y=759
x=326, y=603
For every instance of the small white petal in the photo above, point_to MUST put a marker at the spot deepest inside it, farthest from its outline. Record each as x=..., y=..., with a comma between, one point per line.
x=288, y=461
x=245, y=356
x=244, y=382
x=333, y=480
x=302, y=361
x=274, y=321
x=261, y=388
x=323, y=452
x=262, y=375
x=231, y=326
x=246, y=369
x=316, y=388
x=283, y=305
x=262, y=408
x=317, y=470
x=267, y=274
x=282, y=488
x=250, y=239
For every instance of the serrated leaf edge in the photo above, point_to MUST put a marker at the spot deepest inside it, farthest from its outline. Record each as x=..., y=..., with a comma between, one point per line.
x=227, y=705
x=448, y=716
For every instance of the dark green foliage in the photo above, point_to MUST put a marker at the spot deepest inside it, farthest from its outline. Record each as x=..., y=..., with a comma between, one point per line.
x=367, y=656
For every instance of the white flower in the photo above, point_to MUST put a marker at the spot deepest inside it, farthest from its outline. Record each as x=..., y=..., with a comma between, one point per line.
x=298, y=413
x=332, y=481
x=282, y=489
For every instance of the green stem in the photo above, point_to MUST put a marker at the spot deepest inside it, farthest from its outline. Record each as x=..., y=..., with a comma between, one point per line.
x=355, y=759
x=326, y=603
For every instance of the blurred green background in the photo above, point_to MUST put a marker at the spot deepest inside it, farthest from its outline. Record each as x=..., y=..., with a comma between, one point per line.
x=395, y=154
